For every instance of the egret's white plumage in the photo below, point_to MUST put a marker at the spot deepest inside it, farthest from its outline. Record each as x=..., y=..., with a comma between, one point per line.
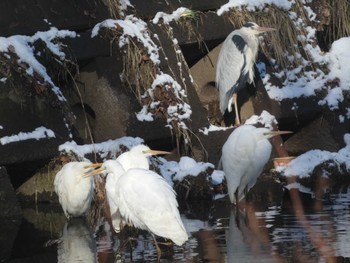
x=141, y=197
x=114, y=171
x=136, y=157
x=144, y=199
x=235, y=65
x=244, y=156
x=74, y=191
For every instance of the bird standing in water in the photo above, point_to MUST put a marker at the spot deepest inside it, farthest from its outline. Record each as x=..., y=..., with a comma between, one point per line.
x=74, y=190
x=244, y=156
x=235, y=66
x=141, y=197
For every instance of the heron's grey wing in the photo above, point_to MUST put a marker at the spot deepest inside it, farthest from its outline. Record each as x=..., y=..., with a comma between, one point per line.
x=231, y=61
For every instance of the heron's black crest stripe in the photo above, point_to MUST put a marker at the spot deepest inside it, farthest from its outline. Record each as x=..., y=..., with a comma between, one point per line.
x=239, y=42
x=249, y=24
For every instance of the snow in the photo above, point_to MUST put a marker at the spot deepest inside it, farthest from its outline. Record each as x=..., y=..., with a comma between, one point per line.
x=167, y=18
x=253, y=5
x=37, y=134
x=303, y=165
x=309, y=82
x=177, y=112
x=213, y=128
x=23, y=47
x=132, y=27
x=108, y=148
x=176, y=171
x=123, y=6
x=265, y=118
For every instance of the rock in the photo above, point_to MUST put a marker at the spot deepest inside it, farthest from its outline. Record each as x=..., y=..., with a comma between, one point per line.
x=9, y=205
x=24, y=114
x=315, y=135
x=110, y=108
x=10, y=216
x=39, y=187
x=28, y=17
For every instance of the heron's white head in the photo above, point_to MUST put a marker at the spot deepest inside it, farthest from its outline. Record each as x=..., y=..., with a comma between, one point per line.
x=252, y=28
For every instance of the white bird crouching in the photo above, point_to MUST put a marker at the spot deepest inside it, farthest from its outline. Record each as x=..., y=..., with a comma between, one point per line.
x=74, y=191
x=244, y=156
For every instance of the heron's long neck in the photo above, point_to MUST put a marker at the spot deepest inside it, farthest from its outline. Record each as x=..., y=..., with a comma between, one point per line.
x=251, y=55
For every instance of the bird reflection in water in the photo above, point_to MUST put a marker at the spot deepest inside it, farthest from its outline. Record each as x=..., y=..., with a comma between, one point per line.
x=246, y=240
x=77, y=243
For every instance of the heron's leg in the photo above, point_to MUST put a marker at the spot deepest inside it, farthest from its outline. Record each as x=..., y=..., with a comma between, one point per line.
x=234, y=97
x=159, y=252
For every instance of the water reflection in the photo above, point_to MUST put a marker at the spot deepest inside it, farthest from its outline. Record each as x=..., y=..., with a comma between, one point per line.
x=292, y=227
x=246, y=240
x=77, y=243
x=137, y=246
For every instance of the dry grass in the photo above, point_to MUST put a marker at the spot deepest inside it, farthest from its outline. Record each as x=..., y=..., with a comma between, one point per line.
x=340, y=19
x=138, y=70
x=276, y=43
x=113, y=8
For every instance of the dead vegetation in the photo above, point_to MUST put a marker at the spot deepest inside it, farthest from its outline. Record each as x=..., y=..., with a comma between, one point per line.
x=22, y=80
x=139, y=74
x=339, y=20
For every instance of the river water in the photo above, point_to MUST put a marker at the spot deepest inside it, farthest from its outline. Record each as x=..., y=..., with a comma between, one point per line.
x=274, y=225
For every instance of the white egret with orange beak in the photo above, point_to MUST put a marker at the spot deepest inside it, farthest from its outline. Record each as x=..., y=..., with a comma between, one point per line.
x=244, y=155
x=141, y=197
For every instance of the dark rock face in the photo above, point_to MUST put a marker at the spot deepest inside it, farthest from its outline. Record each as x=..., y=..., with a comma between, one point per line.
x=22, y=116
x=10, y=215
x=9, y=205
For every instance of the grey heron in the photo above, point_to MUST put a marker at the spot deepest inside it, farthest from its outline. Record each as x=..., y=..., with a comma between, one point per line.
x=244, y=155
x=235, y=65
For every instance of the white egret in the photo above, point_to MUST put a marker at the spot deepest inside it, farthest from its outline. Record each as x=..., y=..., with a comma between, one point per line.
x=141, y=197
x=136, y=157
x=74, y=190
x=235, y=65
x=244, y=156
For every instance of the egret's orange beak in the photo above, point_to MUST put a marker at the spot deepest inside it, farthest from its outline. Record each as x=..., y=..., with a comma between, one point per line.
x=156, y=152
x=93, y=172
x=274, y=133
x=93, y=165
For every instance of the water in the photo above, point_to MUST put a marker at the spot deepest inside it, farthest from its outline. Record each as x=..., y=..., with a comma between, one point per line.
x=273, y=226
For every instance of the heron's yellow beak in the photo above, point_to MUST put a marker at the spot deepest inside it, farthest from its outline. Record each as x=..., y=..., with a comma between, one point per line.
x=93, y=172
x=156, y=152
x=93, y=165
x=265, y=29
x=274, y=133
